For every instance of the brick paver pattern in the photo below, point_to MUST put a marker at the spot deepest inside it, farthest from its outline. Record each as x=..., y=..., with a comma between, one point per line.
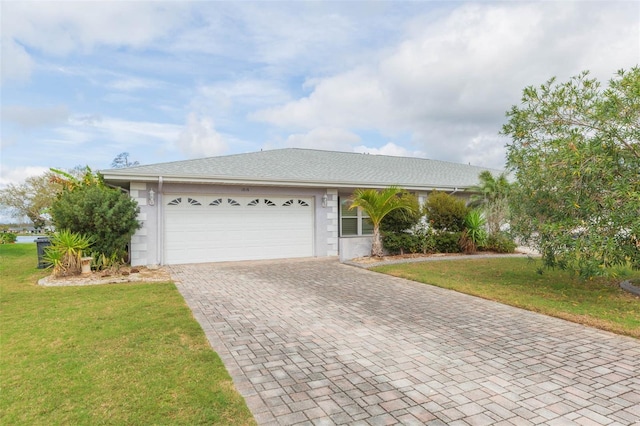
x=315, y=342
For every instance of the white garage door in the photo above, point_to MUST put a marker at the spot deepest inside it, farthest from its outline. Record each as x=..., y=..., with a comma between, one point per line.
x=220, y=228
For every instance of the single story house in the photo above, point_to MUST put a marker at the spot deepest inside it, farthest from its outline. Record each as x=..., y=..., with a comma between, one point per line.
x=280, y=203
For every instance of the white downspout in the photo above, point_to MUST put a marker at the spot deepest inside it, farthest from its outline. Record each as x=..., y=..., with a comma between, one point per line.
x=159, y=215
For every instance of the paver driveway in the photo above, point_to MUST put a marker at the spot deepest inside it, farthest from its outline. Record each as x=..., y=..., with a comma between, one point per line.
x=317, y=342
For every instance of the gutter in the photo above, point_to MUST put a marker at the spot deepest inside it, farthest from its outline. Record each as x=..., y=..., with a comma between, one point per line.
x=281, y=182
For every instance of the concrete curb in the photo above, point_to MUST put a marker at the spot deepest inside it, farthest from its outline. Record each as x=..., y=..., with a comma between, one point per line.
x=627, y=286
x=435, y=259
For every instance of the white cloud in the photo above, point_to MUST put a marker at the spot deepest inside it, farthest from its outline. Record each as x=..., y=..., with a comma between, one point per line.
x=16, y=64
x=60, y=28
x=128, y=84
x=17, y=175
x=397, y=78
x=391, y=149
x=285, y=38
x=200, y=139
x=227, y=99
x=483, y=150
x=123, y=131
x=352, y=99
x=29, y=118
x=93, y=140
x=328, y=138
x=449, y=83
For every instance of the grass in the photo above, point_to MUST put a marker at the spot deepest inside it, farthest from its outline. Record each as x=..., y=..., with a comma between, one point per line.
x=514, y=281
x=112, y=354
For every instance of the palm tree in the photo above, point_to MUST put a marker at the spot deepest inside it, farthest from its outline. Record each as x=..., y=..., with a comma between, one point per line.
x=491, y=195
x=377, y=204
x=490, y=188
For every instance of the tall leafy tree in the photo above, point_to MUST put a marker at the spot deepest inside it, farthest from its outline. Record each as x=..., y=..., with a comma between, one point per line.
x=575, y=155
x=378, y=204
x=33, y=197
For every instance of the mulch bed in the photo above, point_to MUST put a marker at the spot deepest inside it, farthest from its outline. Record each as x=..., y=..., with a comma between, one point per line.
x=124, y=275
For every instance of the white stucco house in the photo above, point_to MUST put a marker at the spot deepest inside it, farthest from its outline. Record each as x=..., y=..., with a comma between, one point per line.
x=281, y=203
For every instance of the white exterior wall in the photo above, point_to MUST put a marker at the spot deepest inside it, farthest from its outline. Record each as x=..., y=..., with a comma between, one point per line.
x=138, y=249
x=352, y=247
x=333, y=221
x=146, y=243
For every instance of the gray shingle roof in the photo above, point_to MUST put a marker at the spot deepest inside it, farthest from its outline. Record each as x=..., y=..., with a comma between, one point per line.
x=294, y=166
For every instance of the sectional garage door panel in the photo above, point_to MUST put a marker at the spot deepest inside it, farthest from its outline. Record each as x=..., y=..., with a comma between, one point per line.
x=222, y=228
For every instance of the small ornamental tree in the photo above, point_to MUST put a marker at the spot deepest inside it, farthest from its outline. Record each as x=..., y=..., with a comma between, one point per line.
x=402, y=220
x=445, y=212
x=378, y=204
x=491, y=195
x=89, y=207
x=575, y=155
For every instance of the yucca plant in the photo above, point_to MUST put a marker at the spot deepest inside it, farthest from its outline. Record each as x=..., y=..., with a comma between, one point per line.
x=474, y=234
x=102, y=262
x=65, y=252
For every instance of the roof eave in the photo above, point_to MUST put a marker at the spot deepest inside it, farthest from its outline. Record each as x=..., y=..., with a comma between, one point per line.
x=275, y=182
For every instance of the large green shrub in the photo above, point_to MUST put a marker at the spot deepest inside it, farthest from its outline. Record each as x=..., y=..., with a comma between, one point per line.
x=420, y=240
x=447, y=242
x=445, y=212
x=499, y=243
x=400, y=243
x=91, y=208
x=426, y=239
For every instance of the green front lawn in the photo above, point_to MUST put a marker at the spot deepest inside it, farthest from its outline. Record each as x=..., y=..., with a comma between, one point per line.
x=111, y=354
x=514, y=281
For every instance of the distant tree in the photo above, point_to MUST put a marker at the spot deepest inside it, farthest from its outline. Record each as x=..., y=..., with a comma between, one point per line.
x=575, y=155
x=377, y=204
x=31, y=198
x=122, y=161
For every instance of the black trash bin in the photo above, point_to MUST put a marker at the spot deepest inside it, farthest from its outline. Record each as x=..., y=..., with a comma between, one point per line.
x=41, y=243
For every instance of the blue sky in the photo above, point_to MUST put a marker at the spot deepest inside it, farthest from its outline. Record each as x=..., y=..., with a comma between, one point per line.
x=166, y=81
